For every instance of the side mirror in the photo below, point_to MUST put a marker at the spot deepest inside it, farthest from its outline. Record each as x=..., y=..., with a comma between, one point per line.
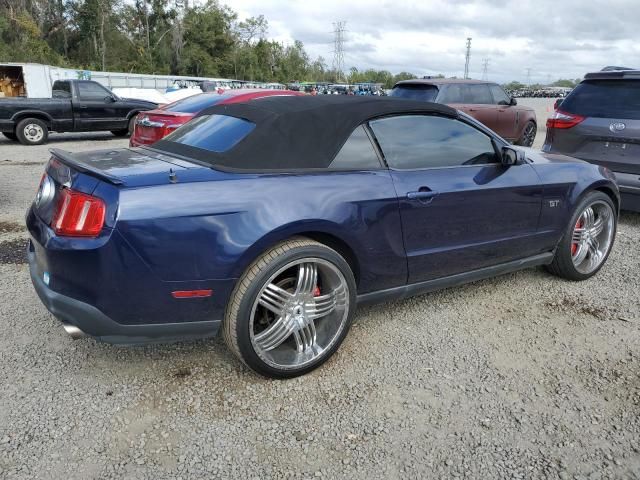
x=513, y=102
x=110, y=98
x=557, y=104
x=512, y=156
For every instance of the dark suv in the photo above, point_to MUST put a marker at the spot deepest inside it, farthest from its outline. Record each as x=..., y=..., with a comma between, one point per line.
x=599, y=121
x=485, y=101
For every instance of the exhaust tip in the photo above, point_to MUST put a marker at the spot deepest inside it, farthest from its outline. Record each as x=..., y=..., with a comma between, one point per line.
x=73, y=331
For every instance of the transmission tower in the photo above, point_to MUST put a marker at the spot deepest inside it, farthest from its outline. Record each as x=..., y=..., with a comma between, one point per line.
x=338, y=49
x=468, y=56
x=528, y=77
x=485, y=69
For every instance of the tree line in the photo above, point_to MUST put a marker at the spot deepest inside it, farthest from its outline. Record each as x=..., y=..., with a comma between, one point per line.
x=160, y=37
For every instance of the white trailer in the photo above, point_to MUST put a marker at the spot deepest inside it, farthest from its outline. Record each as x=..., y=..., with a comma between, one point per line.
x=34, y=80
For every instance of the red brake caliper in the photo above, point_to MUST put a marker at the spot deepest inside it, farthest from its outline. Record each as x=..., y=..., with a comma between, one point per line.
x=316, y=291
x=574, y=244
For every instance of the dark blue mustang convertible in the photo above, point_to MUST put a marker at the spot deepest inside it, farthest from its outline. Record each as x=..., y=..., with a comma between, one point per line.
x=274, y=219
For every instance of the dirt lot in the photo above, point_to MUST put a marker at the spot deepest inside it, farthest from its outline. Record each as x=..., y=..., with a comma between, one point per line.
x=522, y=376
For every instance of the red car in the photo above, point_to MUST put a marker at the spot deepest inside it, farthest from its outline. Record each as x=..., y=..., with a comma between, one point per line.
x=153, y=125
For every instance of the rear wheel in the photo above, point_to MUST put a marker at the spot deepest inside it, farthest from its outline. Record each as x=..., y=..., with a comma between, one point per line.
x=588, y=238
x=32, y=131
x=10, y=136
x=528, y=135
x=291, y=309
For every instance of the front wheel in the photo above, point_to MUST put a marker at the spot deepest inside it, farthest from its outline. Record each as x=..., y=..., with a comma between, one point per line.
x=126, y=131
x=588, y=238
x=291, y=309
x=528, y=135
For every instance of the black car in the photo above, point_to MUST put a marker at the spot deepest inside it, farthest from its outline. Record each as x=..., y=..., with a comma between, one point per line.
x=75, y=106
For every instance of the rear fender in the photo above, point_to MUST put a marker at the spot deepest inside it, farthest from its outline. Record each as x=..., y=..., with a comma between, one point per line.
x=308, y=227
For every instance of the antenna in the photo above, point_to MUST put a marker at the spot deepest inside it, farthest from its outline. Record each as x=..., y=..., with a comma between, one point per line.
x=468, y=56
x=338, y=48
x=485, y=69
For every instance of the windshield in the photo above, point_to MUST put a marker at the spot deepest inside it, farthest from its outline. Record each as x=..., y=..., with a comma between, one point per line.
x=605, y=99
x=424, y=93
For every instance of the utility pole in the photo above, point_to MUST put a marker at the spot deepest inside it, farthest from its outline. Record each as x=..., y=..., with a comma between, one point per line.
x=338, y=48
x=528, y=77
x=468, y=56
x=485, y=69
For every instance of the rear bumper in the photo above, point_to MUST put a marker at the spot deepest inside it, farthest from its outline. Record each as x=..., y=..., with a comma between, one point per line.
x=629, y=185
x=98, y=325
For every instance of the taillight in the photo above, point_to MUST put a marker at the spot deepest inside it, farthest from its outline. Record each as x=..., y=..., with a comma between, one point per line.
x=561, y=119
x=78, y=215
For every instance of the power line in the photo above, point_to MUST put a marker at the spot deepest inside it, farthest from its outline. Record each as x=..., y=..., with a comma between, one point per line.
x=338, y=48
x=467, y=57
x=485, y=69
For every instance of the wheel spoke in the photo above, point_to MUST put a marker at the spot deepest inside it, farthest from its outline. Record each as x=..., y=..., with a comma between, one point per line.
x=581, y=253
x=275, y=299
x=307, y=278
x=324, y=304
x=277, y=333
x=577, y=236
x=589, y=218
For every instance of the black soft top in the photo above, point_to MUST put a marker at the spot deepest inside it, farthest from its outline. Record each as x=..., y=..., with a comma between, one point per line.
x=295, y=133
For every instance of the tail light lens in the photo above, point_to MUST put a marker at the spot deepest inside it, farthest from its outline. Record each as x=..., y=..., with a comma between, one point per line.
x=561, y=119
x=78, y=215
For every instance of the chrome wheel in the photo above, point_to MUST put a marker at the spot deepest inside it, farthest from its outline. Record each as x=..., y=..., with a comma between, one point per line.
x=299, y=313
x=592, y=237
x=33, y=132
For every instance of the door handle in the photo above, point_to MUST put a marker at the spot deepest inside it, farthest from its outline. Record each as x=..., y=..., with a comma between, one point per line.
x=422, y=195
x=83, y=106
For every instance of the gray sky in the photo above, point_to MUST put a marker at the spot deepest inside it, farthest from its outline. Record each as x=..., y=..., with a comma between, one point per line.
x=556, y=39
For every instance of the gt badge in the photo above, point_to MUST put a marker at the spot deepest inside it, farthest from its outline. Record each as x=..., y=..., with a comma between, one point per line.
x=554, y=203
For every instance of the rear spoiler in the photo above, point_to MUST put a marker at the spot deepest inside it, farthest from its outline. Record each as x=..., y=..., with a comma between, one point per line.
x=69, y=159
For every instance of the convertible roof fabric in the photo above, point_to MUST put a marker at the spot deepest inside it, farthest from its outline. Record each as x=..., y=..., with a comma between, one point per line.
x=294, y=133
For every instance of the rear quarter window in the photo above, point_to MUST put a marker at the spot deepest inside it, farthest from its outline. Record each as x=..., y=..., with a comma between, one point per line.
x=605, y=99
x=213, y=133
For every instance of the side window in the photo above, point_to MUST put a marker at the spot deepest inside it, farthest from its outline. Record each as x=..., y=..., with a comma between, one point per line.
x=357, y=153
x=479, y=94
x=91, y=91
x=499, y=95
x=452, y=93
x=421, y=141
x=61, y=89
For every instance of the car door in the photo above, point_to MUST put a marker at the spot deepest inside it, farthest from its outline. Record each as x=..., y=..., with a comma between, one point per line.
x=461, y=209
x=96, y=108
x=508, y=118
x=472, y=99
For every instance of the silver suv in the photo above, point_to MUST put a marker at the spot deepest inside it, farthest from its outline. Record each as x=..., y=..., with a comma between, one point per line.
x=599, y=121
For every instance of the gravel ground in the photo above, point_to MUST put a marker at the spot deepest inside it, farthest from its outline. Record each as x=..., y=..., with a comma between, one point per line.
x=522, y=376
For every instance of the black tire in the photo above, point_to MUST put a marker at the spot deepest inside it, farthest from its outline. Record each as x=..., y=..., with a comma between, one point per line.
x=562, y=265
x=126, y=131
x=32, y=131
x=528, y=134
x=11, y=136
x=237, y=323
